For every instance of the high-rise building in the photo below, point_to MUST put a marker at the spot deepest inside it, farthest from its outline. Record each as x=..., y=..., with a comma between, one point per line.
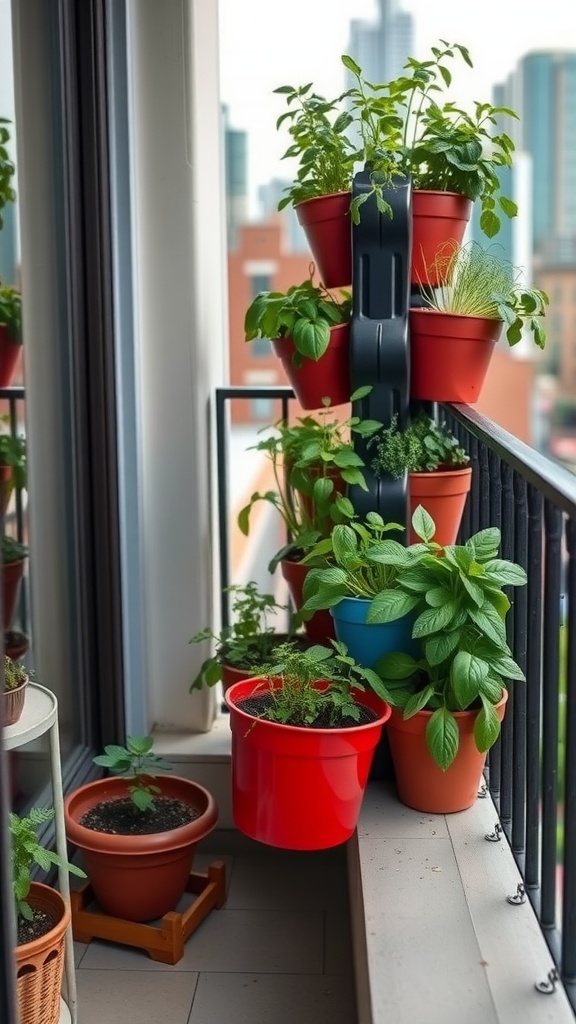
x=381, y=47
x=236, y=177
x=542, y=90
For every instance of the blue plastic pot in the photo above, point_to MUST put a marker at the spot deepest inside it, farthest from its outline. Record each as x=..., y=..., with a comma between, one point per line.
x=366, y=641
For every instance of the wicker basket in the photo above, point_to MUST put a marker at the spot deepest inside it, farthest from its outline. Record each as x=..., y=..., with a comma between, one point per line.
x=39, y=964
x=14, y=704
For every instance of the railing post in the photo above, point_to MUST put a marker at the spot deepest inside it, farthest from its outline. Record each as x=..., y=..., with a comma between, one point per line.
x=551, y=668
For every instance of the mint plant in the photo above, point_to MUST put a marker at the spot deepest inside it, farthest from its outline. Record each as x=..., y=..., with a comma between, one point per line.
x=137, y=762
x=27, y=852
x=7, y=170
x=305, y=313
x=424, y=446
x=10, y=302
x=14, y=673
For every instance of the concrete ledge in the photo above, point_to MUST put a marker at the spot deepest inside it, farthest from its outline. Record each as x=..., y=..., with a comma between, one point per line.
x=434, y=939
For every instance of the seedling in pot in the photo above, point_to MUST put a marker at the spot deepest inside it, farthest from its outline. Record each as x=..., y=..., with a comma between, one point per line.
x=26, y=852
x=136, y=761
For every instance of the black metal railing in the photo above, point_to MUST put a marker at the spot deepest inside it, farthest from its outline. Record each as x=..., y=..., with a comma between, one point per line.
x=12, y=410
x=531, y=771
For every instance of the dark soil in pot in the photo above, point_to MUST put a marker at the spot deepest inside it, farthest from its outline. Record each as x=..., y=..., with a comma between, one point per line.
x=260, y=703
x=119, y=817
x=40, y=925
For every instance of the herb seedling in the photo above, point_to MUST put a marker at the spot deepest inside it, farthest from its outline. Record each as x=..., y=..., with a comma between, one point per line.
x=136, y=761
x=27, y=851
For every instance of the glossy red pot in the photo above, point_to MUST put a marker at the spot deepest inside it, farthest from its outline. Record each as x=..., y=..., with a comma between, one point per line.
x=450, y=355
x=10, y=352
x=443, y=494
x=437, y=218
x=329, y=377
x=294, y=787
x=320, y=627
x=328, y=228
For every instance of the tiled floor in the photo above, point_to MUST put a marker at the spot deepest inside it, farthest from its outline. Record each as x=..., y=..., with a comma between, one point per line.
x=279, y=952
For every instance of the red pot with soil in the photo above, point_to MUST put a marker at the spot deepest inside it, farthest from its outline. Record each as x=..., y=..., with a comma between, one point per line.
x=329, y=377
x=139, y=877
x=443, y=494
x=296, y=787
x=450, y=355
x=10, y=353
x=327, y=225
x=320, y=627
x=437, y=218
x=40, y=960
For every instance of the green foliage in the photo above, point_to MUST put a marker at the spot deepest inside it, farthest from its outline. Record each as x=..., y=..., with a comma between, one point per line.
x=460, y=608
x=138, y=762
x=424, y=446
x=305, y=313
x=298, y=701
x=13, y=453
x=480, y=283
x=10, y=300
x=313, y=462
x=12, y=550
x=27, y=851
x=14, y=674
x=319, y=142
x=7, y=170
x=248, y=642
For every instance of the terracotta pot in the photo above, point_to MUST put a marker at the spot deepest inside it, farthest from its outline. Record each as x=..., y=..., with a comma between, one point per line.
x=232, y=674
x=294, y=787
x=40, y=963
x=10, y=352
x=443, y=494
x=13, y=704
x=319, y=628
x=437, y=218
x=329, y=377
x=328, y=228
x=450, y=355
x=421, y=783
x=139, y=878
x=6, y=488
x=12, y=573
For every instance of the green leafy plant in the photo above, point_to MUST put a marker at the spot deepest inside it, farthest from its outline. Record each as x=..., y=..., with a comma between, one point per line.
x=14, y=674
x=299, y=701
x=27, y=852
x=458, y=596
x=12, y=549
x=248, y=642
x=305, y=313
x=326, y=155
x=478, y=282
x=13, y=453
x=11, y=309
x=7, y=170
x=138, y=762
x=424, y=446
x=313, y=462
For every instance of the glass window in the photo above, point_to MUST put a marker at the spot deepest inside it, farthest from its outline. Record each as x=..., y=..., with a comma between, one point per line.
x=260, y=283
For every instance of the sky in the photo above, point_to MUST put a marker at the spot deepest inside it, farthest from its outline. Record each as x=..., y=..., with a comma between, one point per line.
x=267, y=43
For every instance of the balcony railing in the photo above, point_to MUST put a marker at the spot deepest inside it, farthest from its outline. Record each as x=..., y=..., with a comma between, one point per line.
x=531, y=771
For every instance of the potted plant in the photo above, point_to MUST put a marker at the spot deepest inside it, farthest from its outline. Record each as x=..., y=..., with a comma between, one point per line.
x=320, y=193
x=452, y=338
x=15, y=682
x=310, y=332
x=42, y=917
x=303, y=736
x=14, y=555
x=244, y=645
x=138, y=837
x=12, y=465
x=354, y=574
x=7, y=169
x=448, y=702
x=313, y=462
x=10, y=331
x=438, y=475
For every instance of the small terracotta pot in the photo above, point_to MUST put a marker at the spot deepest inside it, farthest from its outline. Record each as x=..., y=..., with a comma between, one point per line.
x=320, y=627
x=437, y=218
x=40, y=963
x=10, y=352
x=139, y=878
x=11, y=580
x=443, y=494
x=450, y=355
x=328, y=377
x=328, y=228
x=421, y=784
x=13, y=701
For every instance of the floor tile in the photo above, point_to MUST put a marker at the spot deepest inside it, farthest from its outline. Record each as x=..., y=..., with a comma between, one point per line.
x=131, y=997
x=338, y=955
x=273, y=999
x=79, y=950
x=264, y=941
x=295, y=882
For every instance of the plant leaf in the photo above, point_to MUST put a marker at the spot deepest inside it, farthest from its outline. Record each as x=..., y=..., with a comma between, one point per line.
x=442, y=737
x=486, y=726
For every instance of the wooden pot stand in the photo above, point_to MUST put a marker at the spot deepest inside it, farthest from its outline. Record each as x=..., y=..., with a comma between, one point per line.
x=163, y=941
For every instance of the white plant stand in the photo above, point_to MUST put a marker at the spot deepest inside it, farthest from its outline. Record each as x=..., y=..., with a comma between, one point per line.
x=40, y=716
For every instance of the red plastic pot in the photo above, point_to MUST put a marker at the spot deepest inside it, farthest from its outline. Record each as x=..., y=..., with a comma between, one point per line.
x=450, y=355
x=437, y=218
x=299, y=788
x=443, y=494
x=420, y=782
x=139, y=878
x=328, y=228
x=11, y=580
x=10, y=352
x=320, y=627
x=328, y=377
